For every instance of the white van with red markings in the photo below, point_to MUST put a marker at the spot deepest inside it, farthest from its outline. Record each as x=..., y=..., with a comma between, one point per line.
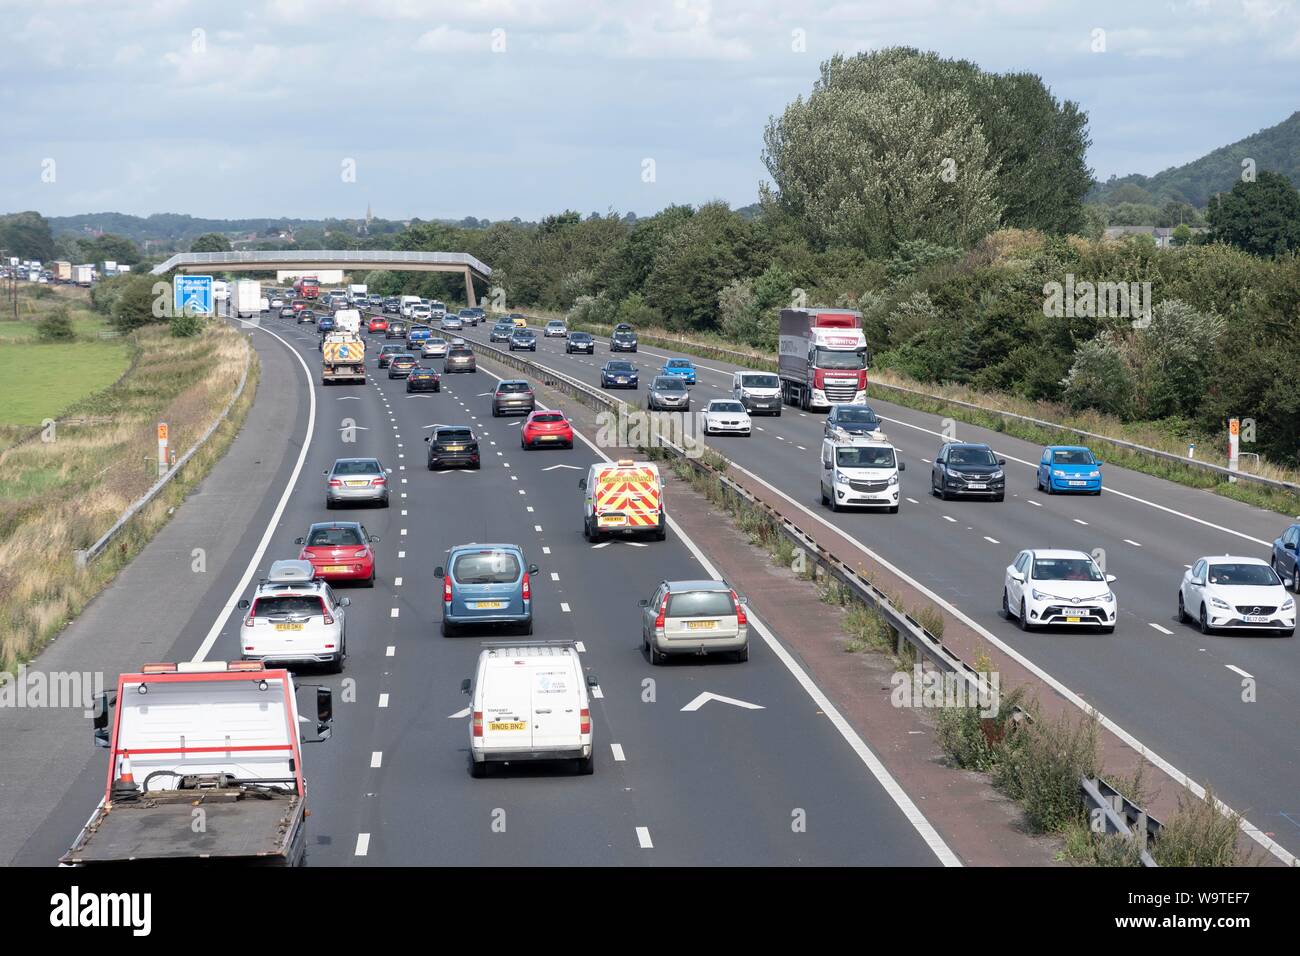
x=623, y=497
x=529, y=702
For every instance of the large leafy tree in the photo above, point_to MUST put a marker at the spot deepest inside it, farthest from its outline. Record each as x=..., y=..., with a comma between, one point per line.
x=210, y=242
x=26, y=235
x=1260, y=217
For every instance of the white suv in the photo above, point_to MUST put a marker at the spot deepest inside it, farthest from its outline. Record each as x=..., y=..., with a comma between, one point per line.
x=294, y=616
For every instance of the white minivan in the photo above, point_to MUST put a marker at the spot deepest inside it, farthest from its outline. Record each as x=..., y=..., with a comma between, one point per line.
x=860, y=470
x=529, y=702
x=759, y=392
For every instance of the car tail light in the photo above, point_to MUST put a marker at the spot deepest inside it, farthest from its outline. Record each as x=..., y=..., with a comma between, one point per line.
x=663, y=612
x=361, y=554
x=584, y=718
x=379, y=481
x=248, y=621
x=528, y=591
x=741, y=618
x=478, y=723
x=336, y=483
x=446, y=589
x=329, y=618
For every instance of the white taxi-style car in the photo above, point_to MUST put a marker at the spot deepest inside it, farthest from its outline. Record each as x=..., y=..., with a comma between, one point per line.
x=294, y=616
x=1049, y=587
x=1228, y=591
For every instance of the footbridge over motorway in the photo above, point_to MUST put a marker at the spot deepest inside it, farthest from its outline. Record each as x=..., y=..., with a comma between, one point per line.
x=264, y=261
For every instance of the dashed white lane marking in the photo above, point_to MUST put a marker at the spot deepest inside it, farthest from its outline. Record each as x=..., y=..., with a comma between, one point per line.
x=403, y=531
x=800, y=447
x=1036, y=504
x=948, y=518
x=537, y=527
x=582, y=648
x=522, y=492
x=555, y=575
x=1162, y=630
x=383, y=700
x=403, y=512
x=564, y=607
x=376, y=759
x=913, y=501
x=545, y=550
x=1079, y=521
x=397, y=582
x=991, y=540
x=1235, y=669
x=363, y=844
x=643, y=838
x=391, y=651
x=401, y=554
x=514, y=477
x=617, y=750
x=1132, y=542
x=597, y=693
x=530, y=511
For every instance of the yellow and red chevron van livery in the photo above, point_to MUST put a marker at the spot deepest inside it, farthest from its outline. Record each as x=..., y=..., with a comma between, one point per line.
x=623, y=497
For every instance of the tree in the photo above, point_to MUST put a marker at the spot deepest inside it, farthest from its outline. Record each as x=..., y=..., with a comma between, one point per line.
x=210, y=242
x=1262, y=217
x=1100, y=378
x=1182, y=234
x=111, y=248
x=135, y=304
x=27, y=235
x=55, y=327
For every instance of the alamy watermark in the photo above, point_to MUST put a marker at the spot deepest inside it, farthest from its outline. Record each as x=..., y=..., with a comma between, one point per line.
x=42, y=690
x=932, y=689
x=1101, y=300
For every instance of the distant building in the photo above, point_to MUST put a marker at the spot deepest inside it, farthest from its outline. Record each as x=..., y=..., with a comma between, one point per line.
x=1163, y=236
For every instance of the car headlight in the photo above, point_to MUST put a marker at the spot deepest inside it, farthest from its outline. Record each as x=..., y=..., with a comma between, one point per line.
x=1220, y=604
x=1040, y=596
x=1290, y=603
x=1058, y=473
x=1108, y=597
x=996, y=475
x=893, y=479
x=1094, y=474
x=841, y=478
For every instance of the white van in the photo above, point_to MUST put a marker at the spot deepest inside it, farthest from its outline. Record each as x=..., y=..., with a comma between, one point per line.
x=860, y=470
x=529, y=702
x=759, y=392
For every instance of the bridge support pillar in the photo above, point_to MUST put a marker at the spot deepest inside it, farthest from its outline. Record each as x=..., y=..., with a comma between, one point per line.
x=469, y=290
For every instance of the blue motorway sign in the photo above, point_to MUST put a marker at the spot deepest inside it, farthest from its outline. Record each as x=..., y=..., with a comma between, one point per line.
x=193, y=294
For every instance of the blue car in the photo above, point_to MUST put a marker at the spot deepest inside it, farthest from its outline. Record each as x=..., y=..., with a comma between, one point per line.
x=1069, y=468
x=486, y=584
x=680, y=368
x=325, y=324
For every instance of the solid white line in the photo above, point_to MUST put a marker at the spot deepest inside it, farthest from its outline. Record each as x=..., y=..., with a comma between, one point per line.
x=376, y=759
x=643, y=838
x=1236, y=669
x=363, y=844
x=1079, y=521
x=1162, y=630
x=215, y=631
x=618, y=752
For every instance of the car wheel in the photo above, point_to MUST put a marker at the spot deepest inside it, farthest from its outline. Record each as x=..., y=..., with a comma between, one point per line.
x=448, y=630
x=825, y=501
x=661, y=533
x=528, y=628
x=835, y=505
x=656, y=657
x=495, y=413
x=1006, y=607
x=1204, y=622
x=336, y=665
x=370, y=581
x=586, y=766
x=742, y=655
x=1182, y=610
x=329, y=505
x=1024, y=618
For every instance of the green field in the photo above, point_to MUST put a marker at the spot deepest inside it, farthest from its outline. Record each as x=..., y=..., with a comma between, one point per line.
x=42, y=381
x=84, y=325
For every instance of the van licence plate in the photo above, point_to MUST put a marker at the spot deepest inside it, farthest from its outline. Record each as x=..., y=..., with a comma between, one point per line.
x=288, y=627
x=701, y=625
x=507, y=725
x=612, y=521
x=489, y=605
x=1073, y=620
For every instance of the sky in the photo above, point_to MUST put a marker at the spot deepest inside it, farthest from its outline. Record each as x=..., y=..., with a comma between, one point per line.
x=504, y=108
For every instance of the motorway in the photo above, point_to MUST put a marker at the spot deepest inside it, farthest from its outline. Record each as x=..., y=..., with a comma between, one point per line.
x=1181, y=694
x=717, y=785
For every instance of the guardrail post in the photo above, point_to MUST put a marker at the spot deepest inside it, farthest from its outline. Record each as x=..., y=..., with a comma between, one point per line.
x=80, y=557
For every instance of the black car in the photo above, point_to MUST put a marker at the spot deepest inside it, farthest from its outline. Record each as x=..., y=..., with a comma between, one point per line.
x=423, y=380
x=396, y=330
x=402, y=364
x=471, y=316
x=580, y=342
x=391, y=304
x=853, y=419
x=524, y=340
x=453, y=445
x=622, y=341
x=968, y=469
x=501, y=332
x=617, y=373
x=306, y=315
x=512, y=396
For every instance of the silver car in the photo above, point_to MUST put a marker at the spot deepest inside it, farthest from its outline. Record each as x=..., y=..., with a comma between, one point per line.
x=452, y=323
x=668, y=392
x=434, y=348
x=694, y=617
x=356, y=481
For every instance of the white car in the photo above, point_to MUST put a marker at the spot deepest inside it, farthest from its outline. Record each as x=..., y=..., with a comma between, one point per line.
x=419, y=313
x=555, y=329
x=1066, y=588
x=294, y=616
x=277, y=303
x=1227, y=591
x=434, y=348
x=529, y=702
x=725, y=416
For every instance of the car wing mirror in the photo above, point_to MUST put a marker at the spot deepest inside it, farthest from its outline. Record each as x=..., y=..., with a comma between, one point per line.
x=1016, y=575
x=345, y=602
x=243, y=605
x=373, y=538
x=464, y=686
x=299, y=540
x=1002, y=461
x=593, y=680
x=582, y=483
x=325, y=472
x=532, y=569
x=438, y=572
x=1110, y=579
x=643, y=603
x=902, y=466
x=99, y=719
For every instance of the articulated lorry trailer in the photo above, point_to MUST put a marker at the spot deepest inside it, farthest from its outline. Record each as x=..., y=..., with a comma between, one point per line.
x=822, y=357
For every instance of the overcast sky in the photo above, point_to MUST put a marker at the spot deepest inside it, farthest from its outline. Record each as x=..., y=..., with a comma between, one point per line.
x=504, y=108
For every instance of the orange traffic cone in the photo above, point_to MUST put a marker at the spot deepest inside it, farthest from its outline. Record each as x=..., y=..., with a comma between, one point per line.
x=124, y=787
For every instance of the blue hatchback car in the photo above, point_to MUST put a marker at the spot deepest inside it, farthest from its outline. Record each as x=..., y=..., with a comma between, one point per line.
x=1069, y=468
x=681, y=368
x=486, y=584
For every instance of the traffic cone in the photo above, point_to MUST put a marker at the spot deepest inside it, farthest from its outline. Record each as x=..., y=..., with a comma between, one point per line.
x=124, y=787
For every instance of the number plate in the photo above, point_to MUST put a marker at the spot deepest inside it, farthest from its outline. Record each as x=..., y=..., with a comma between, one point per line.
x=1256, y=619
x=334, y=569
x=288, y=627
x=489, y=605
x=455, y=448
x=548, y=437
x=507, y=725
x=1073, y=620
x=357, y=484
x=977, y=486
x=612, y=521
x=1078, y=482
x=701, y=625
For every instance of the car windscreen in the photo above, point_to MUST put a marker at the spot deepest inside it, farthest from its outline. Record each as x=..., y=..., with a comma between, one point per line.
x=857, y=416
x=624, y=336
x=454, y=435
x=831, y=358
x=700, y=604
x=356, y=468
x=580, y=337
x=548, y=417
x=678, y=363
x=1066, y=569
x=971, y=456
x=1072, y=456
x=1243, y=575
x=668, y=384
x=513, y=387
x=286, y=604
x=459, y=353
x=759, y=381
x=555, y=325
x=726, y=407
x=864, y=457
x=619, y=366
x=485, y=567
x=335, y=537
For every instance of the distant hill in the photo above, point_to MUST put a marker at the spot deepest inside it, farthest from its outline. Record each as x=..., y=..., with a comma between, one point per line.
x=1276, y=149
x=168, y=226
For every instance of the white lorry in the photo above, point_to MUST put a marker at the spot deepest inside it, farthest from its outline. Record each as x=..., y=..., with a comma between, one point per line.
x=356, y=292
x=245, y=298
x=83, y=275
x=202, y=740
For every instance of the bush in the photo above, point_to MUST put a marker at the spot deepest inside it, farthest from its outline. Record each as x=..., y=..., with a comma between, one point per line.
x=55, y=327
x=185, y=325
x=135, y=304
x=1041, y=766
x=636, y=312
x=1198, y=835
x=593, y=310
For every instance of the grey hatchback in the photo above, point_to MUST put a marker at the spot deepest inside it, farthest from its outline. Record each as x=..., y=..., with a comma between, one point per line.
x=512, y=396
x=356, y=480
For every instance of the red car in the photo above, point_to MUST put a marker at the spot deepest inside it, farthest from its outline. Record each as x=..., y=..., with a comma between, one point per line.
x=377, y=323
x=340, y=551
x=546, y=428
x=299, y=306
